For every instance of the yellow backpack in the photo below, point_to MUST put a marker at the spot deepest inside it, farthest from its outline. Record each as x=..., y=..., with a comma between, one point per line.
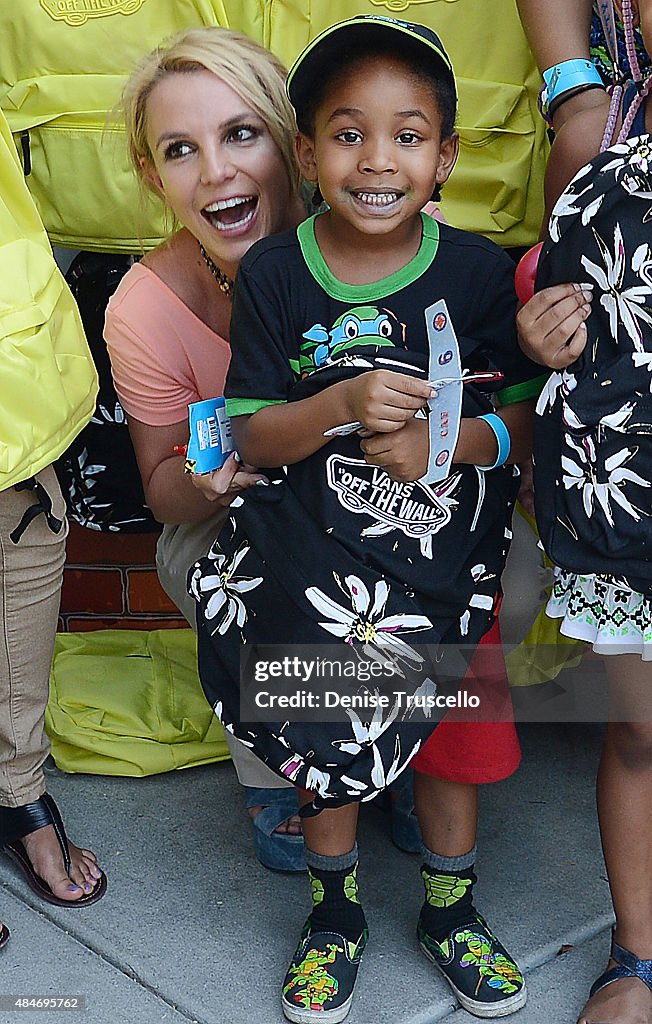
x=65, y=61
x=48, y=378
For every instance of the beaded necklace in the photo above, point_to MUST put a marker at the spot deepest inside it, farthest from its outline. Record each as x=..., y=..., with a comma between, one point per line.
x=617, y=90
x=225, y=283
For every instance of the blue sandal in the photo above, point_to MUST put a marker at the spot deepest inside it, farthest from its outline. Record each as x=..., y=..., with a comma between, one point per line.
x=627, y=966
x=277, y=851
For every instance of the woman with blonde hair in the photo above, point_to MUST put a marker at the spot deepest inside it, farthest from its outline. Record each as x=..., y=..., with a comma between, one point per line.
x=210, y=133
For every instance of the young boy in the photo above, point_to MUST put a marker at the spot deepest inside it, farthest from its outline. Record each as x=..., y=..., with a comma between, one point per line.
x=326, y=550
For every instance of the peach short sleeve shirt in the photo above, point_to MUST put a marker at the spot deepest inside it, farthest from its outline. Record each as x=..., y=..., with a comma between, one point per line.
x=163, y=357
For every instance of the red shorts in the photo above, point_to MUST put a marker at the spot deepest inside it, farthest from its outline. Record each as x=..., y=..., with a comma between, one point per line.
x=473, y=750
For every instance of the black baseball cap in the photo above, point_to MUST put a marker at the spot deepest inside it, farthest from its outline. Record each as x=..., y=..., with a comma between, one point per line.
x=402, y=37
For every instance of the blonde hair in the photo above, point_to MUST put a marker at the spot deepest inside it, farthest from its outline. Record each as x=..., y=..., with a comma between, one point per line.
x=254, y=73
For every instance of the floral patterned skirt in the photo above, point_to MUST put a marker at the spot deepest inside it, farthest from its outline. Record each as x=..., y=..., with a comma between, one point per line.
x=604, y=612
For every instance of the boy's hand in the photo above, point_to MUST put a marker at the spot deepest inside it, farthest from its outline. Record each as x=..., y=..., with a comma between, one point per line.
x=383, y=400
x=403, y=453
x=225, y=483
x=551, y=328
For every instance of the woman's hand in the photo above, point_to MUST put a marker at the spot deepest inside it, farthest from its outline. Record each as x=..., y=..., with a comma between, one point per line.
x=551, y=328
x=224, y=484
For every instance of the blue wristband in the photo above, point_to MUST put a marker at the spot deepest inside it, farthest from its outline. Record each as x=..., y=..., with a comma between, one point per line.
x=503, y=440
x=570, y=74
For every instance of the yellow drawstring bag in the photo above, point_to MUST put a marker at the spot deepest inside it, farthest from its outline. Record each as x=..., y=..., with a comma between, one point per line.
x=129, y=702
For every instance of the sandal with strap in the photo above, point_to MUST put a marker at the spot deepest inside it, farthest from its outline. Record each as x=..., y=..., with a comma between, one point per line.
x=18, y=822
x=627, y=966
x=277, y=851
x=4, y=935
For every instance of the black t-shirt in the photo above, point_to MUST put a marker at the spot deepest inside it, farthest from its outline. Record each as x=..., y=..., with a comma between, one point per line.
x=296, y=329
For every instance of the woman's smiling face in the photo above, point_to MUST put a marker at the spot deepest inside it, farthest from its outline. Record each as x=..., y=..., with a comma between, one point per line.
x=216, y=164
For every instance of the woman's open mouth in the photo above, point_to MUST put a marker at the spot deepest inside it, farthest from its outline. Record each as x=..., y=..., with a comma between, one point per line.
x=233, y=214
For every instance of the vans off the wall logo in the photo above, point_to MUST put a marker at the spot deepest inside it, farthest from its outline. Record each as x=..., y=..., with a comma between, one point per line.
x=77, y=12
x=417, y=510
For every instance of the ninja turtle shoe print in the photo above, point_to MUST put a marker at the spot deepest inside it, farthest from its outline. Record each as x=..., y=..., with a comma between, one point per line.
x=452, y=934
x=319, y=984
x=322, y=973
x=484, y=977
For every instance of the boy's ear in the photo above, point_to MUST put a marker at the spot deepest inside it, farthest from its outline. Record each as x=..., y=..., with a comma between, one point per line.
x=304, y=149
x=448, y=150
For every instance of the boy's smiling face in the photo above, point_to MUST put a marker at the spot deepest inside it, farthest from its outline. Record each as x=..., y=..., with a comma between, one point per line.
x=376, y=149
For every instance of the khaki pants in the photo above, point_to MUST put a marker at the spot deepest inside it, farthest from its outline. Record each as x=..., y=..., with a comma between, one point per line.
x=31, y=572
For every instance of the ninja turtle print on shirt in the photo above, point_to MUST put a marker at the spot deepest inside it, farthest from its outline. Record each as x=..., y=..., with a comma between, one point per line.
x=362, y=325
x=334, y=550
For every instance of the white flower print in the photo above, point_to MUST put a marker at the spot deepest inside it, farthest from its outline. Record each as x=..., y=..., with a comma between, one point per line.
x=565, y=207
x=318, y=781
x=581, y=474
x=365, y=623
x=381, y=778
x=422, y=697
x=589, y=212
x=564, y=382
x=625, y=306
x=226, y=586
x=364, y=734
x=618, y=419
x=633, y=171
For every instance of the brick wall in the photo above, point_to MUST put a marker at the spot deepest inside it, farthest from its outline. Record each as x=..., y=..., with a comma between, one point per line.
x=110, y=582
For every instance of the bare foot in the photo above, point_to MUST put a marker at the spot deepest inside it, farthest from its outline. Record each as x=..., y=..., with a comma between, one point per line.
x=42, y=848
x=626, y=1001
x=290, y=827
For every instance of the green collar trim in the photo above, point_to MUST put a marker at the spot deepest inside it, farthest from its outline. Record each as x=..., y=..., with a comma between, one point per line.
x=377, y=289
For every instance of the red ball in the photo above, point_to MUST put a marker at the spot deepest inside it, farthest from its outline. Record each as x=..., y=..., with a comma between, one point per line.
x=526, y=272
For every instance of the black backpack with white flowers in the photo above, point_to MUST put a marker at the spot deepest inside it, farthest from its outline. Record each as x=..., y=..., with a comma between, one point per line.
x=99, y=474
x=593, y=430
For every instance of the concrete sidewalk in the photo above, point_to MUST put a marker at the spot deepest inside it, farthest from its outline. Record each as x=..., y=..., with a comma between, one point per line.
x=193, y=929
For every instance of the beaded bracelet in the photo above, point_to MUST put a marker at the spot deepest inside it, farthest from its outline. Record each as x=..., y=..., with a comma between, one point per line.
x=503, y=440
